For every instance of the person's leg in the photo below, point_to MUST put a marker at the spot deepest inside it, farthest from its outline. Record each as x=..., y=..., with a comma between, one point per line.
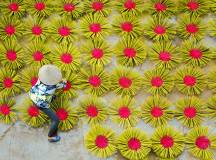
x=54, y=121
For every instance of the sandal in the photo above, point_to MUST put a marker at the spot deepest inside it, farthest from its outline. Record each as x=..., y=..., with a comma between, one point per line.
x=54, y=139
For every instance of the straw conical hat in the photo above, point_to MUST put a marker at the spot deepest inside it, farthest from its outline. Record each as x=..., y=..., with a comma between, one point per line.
x=50, y=74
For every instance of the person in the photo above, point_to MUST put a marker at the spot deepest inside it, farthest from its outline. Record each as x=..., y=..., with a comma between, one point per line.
x=43, y=92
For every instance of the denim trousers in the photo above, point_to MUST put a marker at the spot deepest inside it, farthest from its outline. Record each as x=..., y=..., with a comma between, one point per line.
x=54, y=121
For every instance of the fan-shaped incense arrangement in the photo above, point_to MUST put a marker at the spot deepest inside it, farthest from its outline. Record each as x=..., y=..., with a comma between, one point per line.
x=211, y=104
x=201, y=143
x=124, y=112
x=158, y=81
x=155, y=111
x=7, y=110
x=212, y=79
x=190, y=111
x=93, y=109
x=125, y=81
x=134, y=144
x=130, y=52
x=31, y=114
x=167, y=142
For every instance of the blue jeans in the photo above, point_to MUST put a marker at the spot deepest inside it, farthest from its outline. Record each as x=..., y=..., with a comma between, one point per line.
x=54, y=121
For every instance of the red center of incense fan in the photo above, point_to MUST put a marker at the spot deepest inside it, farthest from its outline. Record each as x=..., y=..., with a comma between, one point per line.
x=130, y=52
x=33, y=111
x=134, y=144
x=11, y=55
x=8, y=82
x=129, y=4
x=127, y=26
x=167, y=141
x=38, y=56
x=68, y=86
x=125, y=82
x=159, y=29
x=68, y=7
x=4, y=109
x=192, y=28
x=13, y=6
x=64, y=31
x=37, y=30
x=101, y=141
x=92, y=111
x=40, y=6
x=95, y=81
x=124, y=112
x=190, y=112
x=156, y=112
x=97, y=6
x=10, y=30
x=189, y=80
x=34, y=80
x=165, y=56
x=192, y=5
x=66, y=58
x=97, y=53
x=196, y=53
x=160, y=7
x=202, y=142
x=62, y=114
x=95, y=27
x=156, y=81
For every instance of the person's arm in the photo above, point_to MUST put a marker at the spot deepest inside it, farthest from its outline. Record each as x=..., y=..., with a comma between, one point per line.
x=61, y=84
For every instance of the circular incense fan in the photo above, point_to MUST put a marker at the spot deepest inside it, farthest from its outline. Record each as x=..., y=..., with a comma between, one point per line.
x=93, y=109
x=98, y=53
x=66, y=57
x=134, y=144
x=190, y=81
x=194, y=7
x=129, y=7
x=161, y=8
x=69, y=8
x=102, y=7
x=123, y=112
x=167, y=142
x=10, y=28
x=9, y=82
x=158, y=81
x=211, y=104
x=190, y=111
x=94, y=26
x=201, y=143
x=100, y=141
x=125, y=81
x=127, y=26
x=72, y=85
x=37, y=54
x=63, y=30
x=39, y=8
x=212, y=79
x=7, y=110
x=11, y=56
x=94, y=80
x=36, y=29
x=31, y=114
x=130, y=52
x=159, y=30
x=13, y=8
x=164, y=54
x=155, y=111
x=66, y=114
x=191, y=27
x=28, y=78
x=195, y=53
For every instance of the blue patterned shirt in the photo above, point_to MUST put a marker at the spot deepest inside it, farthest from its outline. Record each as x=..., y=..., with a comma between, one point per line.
x=42, y=94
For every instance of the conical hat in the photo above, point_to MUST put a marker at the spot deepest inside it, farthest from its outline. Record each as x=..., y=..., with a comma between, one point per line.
x=50, y=74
